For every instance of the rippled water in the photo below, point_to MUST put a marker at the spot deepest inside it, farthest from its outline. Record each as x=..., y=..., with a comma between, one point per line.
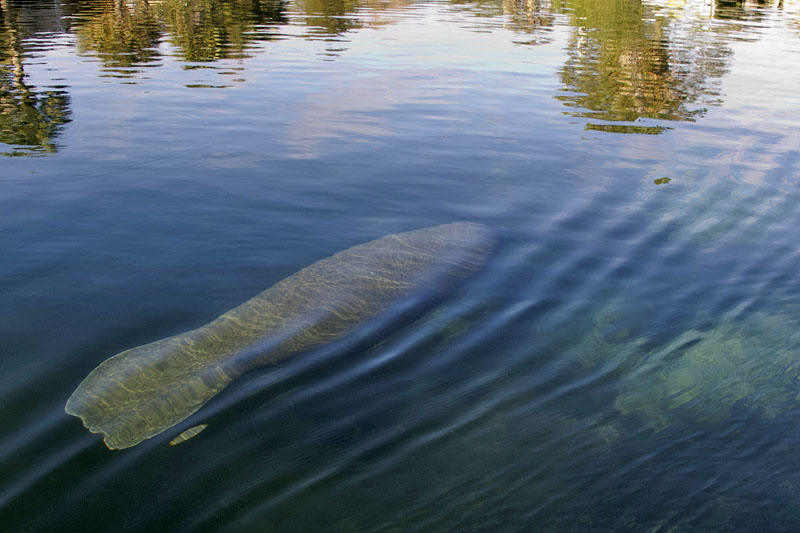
x=629, y=360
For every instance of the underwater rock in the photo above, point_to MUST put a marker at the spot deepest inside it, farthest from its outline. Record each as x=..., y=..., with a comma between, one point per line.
x=144, y=391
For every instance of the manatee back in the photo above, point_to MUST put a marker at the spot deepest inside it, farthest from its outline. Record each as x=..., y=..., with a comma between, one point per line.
x=326, y=300
x=144, y=391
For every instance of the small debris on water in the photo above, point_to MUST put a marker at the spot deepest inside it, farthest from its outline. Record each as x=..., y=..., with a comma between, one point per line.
x=188, y=434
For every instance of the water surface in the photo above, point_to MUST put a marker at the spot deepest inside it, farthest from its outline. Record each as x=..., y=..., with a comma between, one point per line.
x=628, y=361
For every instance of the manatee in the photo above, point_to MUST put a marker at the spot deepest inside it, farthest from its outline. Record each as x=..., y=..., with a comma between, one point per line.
x=143, y=391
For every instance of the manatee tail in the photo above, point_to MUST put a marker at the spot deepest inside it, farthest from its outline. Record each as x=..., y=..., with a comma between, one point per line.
x=134, y=396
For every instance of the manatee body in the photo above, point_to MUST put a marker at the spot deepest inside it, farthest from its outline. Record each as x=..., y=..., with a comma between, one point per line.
x=144, y=391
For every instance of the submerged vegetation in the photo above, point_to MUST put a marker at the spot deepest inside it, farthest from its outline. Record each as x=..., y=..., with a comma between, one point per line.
x=743, y=363
x=747, y=363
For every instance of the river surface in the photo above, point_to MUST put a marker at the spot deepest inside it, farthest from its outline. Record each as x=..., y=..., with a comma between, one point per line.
x=628, y=360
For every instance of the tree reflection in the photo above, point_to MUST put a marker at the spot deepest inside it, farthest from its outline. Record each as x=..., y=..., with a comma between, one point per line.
x=122, y=34
x=622, y=67
x=127, y=33
x=207, y=30
x=334, y=17
x=738, y=9
x=631, y=65
x=532, y=18
x=29, y=120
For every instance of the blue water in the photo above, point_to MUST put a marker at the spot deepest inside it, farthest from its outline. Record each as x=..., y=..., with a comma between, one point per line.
x=629, y=360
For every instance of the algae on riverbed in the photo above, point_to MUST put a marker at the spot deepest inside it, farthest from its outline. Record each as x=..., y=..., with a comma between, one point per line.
x=750, y=363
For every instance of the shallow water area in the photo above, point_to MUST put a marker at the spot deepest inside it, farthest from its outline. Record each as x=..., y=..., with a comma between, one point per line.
x=627, y=361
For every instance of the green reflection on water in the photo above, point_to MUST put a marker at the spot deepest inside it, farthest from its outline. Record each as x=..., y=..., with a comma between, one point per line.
x=29, y=119
x=623, y=65
x=207, y=30
x=331, y=16
x=631, y=67
x=121, y=34
x=127, y=34
x=630, y=60
x=534, y=19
